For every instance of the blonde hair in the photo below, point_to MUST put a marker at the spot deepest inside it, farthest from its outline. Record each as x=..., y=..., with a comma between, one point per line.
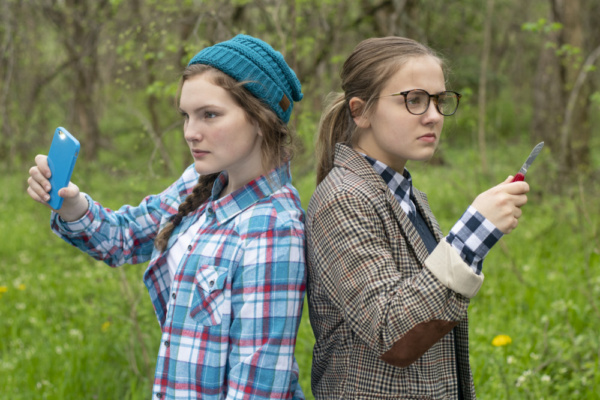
x=364, y=74
x=276, y=148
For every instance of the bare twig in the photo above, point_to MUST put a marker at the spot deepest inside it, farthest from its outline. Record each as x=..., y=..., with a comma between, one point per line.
x=513, y=264
x=594, y=235
x=586, y=213
x=156, y=139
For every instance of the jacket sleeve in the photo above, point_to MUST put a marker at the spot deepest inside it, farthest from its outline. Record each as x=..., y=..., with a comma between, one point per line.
x=399, y=309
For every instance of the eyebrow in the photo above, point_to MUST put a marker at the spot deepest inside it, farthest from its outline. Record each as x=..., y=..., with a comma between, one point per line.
x=402, y=91
x=198, y=109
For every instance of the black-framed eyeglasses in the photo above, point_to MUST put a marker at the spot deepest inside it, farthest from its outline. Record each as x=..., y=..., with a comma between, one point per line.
x=417, y=101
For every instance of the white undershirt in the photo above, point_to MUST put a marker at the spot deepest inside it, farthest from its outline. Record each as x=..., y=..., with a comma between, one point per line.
x=180, y=247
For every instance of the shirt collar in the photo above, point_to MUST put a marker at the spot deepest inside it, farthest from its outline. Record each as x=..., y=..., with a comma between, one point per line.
x=229, y=206
x=399, y=184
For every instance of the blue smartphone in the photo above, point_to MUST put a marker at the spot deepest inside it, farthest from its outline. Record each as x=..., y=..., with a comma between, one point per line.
x=61, y=160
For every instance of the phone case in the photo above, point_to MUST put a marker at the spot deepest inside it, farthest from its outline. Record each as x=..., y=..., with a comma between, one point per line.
x=61, y=160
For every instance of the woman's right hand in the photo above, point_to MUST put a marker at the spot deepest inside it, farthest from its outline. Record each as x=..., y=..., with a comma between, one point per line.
x=501, y=205
x=74, y=204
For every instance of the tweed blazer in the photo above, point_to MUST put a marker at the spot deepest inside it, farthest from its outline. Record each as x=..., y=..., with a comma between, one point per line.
x=382, y=308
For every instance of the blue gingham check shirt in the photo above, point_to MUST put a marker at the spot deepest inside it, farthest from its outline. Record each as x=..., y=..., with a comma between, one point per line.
x=472, y=236
x=230, y=315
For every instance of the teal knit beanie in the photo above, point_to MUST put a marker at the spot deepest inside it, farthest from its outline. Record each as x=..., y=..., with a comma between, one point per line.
x=269, y=78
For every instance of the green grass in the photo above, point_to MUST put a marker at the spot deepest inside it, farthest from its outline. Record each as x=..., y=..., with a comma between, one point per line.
x=73, y=328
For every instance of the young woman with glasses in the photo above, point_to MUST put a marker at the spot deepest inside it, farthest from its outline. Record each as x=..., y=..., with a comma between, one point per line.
x=388, y=293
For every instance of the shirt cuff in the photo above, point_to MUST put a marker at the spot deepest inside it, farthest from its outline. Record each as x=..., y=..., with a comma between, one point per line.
x=472, y=237
x=80, y=225
x=451, y=270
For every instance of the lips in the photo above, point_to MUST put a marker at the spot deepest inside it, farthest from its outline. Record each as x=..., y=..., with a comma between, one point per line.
x=199, y=153
x=430, y=138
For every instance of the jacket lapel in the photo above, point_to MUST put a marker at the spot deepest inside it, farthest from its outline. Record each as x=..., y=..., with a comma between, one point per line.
x=423, y=206
x=350, y=159
x=408, y=229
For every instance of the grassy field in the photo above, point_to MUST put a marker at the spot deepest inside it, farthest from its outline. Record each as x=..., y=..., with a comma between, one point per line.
x=72, y=328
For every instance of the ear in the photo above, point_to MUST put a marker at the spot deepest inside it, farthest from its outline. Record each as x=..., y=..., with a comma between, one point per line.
x=357, y=108
x=258, y=130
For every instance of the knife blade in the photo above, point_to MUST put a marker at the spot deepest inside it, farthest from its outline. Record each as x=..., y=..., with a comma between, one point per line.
x=534, y=153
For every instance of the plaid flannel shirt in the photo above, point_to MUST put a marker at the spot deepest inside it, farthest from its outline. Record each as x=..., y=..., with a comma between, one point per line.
x=230, y=316
x=472, y=236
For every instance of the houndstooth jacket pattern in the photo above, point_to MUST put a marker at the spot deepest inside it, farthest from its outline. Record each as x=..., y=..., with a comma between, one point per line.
x=374, y=289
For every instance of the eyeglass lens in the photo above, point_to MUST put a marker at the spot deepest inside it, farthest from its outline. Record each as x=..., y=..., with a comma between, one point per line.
x=417, y=102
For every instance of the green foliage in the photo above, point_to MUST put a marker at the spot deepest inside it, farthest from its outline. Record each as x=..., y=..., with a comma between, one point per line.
x=571, y=54
x=595, y=99
x=542, y=25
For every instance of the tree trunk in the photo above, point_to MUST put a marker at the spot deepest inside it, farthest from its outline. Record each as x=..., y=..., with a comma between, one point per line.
x=487, y=39
x=79, y=30
x=576, y=153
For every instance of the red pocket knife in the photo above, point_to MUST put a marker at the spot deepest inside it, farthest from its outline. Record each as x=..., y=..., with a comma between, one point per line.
x=534, y=153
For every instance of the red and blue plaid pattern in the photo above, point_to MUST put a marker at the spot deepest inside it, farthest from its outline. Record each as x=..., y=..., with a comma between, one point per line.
x=230, y=315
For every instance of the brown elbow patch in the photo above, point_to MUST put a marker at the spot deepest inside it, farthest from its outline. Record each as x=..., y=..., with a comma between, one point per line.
x=416, y=342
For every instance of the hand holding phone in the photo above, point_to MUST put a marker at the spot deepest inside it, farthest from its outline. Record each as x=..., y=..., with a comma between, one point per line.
x=61, y=161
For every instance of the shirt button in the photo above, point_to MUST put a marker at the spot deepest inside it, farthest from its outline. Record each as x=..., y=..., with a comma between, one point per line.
x=159, y=395
x=190, y=247
x=173, y=295
x=167, y=344
x=211, y=283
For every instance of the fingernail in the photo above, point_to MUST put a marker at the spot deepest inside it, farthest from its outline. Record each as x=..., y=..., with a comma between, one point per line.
x=46, y=198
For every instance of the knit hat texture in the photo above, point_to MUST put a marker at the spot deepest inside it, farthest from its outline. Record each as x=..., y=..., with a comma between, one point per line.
x=247, y=59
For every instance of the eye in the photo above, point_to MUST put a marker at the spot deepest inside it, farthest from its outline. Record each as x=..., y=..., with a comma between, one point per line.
x=209, y=115
x=414, y=100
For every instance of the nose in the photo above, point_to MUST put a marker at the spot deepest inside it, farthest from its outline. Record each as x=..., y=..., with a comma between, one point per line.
x=432, y=115
x=192, y=131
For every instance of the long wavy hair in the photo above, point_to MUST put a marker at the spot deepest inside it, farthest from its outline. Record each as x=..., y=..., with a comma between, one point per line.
x=276, y=148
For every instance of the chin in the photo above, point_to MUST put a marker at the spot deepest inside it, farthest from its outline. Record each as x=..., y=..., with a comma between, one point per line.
x=203, y=169
x=424, y=157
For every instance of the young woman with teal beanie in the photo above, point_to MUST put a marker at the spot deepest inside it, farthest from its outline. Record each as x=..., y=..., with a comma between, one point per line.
x=225, y=241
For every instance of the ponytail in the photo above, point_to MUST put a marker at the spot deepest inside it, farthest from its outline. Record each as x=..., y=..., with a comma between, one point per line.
x=336, y=126
x=364, y=74
x=199, y=195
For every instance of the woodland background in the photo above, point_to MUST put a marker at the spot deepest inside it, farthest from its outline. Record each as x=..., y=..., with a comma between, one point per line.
x=107, y=70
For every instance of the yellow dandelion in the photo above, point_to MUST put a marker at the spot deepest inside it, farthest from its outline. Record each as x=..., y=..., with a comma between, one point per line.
x=501, y=340
x=105, y=326
x=3, y=289
x=21, y=287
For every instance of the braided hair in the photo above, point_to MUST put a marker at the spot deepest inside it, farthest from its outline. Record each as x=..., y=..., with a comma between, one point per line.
x=199, y=195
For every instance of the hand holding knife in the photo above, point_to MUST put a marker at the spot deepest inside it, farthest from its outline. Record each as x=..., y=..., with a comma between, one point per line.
x=534, y=153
